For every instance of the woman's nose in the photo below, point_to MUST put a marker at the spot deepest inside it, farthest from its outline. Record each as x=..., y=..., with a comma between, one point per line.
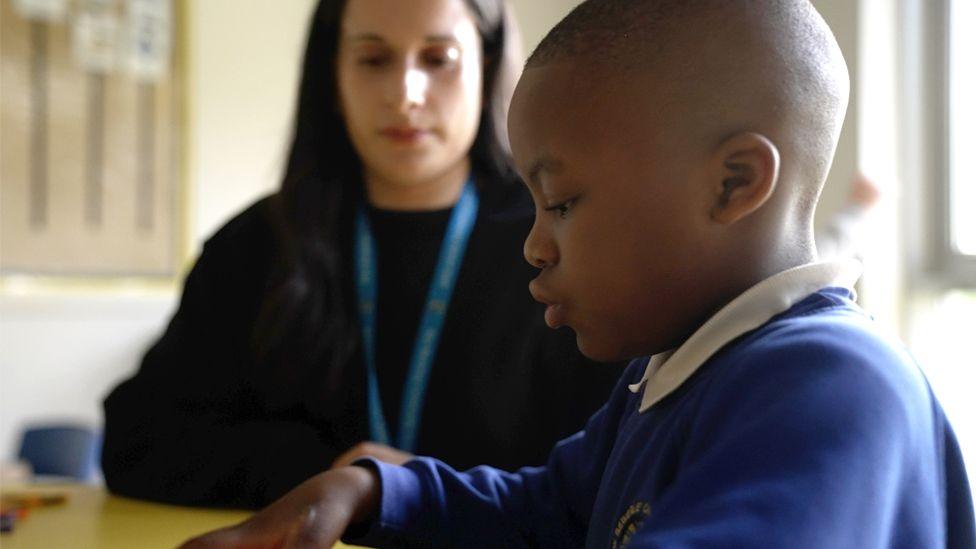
x=539, y=249
x=411, y=89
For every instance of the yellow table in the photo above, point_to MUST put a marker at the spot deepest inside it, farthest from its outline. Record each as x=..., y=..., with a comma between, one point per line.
x=93, y=518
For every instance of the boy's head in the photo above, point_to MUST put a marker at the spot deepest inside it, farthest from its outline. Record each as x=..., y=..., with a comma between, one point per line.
x=675, y=150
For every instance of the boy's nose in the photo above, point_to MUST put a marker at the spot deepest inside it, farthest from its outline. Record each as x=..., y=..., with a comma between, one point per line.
x=539, y=250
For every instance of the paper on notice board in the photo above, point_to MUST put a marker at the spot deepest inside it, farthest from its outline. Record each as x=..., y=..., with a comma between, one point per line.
x=149, y=26
x=42, y=10
x=95, y=35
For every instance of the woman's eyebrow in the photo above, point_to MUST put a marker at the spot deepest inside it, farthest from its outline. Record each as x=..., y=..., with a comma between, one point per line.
x=373, y=37
x=366, y=37
x=441, y=38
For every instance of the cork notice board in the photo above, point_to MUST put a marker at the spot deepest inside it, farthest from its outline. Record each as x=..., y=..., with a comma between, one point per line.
x=89, y=138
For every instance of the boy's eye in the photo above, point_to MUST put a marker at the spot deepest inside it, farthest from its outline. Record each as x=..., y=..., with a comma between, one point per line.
x=563, y=208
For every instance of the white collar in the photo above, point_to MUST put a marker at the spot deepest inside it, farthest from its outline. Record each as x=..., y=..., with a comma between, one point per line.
x=666, y=371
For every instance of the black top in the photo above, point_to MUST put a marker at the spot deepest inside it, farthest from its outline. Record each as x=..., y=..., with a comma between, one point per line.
x=408, y=246
x=198, y=424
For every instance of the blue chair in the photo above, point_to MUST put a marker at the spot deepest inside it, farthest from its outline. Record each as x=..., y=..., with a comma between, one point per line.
x=62, y=450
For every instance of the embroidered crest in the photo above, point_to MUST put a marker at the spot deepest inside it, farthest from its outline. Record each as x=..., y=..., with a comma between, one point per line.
x=629, y=523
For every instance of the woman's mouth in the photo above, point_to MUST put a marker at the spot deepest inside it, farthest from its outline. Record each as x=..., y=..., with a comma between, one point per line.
x=404, y=134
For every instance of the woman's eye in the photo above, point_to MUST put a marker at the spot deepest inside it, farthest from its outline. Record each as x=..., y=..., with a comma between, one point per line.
x=441, y=57
x=372, y=60
x=562, y=209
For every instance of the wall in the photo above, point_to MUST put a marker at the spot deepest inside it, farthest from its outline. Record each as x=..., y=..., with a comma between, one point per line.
x=245, y=59
x=63, y=348
x=61, y=353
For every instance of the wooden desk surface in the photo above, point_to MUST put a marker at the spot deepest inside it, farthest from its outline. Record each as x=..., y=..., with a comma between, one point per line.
x=93, y=518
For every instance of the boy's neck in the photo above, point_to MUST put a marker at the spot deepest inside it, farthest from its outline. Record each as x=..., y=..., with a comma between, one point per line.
x=781, y=245
x=754, y=268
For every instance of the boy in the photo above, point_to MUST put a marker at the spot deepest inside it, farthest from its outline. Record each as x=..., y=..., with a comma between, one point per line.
x=675, y=151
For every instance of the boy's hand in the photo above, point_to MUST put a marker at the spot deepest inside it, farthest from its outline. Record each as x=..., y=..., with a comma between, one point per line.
x=376, y=450
x=315, y=514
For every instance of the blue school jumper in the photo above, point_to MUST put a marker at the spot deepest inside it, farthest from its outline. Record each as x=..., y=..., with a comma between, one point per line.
x=807, y=430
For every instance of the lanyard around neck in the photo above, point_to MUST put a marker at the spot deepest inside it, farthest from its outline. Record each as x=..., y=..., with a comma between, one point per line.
x=431, y=321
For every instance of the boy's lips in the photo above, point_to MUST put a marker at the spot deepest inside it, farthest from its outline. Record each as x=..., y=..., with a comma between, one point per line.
x=555, y=316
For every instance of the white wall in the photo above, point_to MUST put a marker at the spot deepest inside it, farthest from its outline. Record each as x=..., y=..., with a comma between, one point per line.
x=536, y=17
x=59, y=354
x=245, y=61
x=63, y=348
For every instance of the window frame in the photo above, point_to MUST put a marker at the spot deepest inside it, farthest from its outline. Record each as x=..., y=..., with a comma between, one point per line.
x=933, y=263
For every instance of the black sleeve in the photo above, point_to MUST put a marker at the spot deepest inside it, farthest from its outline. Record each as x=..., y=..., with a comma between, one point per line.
x=187, y=428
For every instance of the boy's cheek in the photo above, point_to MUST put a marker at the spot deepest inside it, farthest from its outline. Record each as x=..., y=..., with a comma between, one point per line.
x=604, y=326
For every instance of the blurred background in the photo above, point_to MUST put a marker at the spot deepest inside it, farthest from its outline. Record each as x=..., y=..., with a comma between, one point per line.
x=192, y=125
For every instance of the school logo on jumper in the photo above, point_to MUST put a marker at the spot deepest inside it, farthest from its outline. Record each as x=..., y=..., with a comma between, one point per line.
x=629, y=523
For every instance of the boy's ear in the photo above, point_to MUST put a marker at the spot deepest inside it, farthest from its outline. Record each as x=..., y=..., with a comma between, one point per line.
x=747, y=169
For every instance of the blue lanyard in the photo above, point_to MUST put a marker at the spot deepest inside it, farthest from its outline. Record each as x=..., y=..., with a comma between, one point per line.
x=432, y=319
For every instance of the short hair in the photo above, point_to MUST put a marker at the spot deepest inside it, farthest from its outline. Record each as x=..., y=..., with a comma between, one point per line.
x=604, y=28
x=623, y=31
x=808, y=92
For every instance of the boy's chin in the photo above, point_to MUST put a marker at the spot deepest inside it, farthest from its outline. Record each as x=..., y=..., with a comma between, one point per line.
x=600, y=349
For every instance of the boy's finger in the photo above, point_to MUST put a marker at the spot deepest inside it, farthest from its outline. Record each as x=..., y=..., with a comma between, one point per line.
x=311, y=531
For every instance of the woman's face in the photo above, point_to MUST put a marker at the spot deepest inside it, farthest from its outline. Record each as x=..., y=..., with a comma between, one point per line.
x=409, y=85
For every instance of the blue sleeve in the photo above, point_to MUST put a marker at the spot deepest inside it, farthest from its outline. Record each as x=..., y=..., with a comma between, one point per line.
x=809, y=442
x=426, y=503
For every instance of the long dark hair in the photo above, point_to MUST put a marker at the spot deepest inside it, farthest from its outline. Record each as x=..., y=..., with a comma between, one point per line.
x=305, y=319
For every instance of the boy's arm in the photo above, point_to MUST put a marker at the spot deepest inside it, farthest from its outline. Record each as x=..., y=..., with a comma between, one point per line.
x=425, y=503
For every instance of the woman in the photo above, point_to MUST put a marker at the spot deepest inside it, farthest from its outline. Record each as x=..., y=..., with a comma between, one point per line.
x=379, y=296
